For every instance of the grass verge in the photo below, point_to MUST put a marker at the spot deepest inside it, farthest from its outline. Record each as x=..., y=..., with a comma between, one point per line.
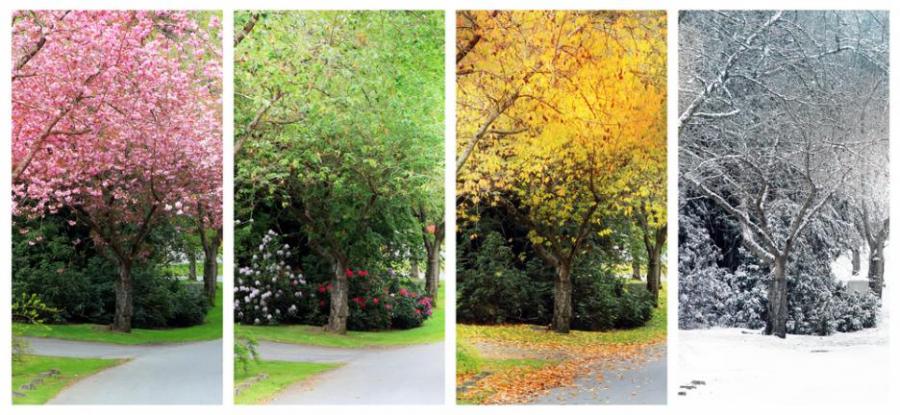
x=70, y=370
x=469, y=362
x=185, y=269
x=430, y=332
x=269, y=377
x=210, y=329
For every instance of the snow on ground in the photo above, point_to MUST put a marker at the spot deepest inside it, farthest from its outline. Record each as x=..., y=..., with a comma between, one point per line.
x=740, y=365
x=842, y=267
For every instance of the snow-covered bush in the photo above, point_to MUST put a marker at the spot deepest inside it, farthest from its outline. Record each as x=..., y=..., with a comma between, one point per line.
x=714, y=296
x=823, y=306
x=710, y=295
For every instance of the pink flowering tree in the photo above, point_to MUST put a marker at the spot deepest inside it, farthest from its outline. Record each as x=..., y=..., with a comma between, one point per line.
x=116, y=117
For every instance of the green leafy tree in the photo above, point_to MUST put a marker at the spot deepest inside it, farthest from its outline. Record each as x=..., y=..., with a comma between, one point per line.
x=339, y=122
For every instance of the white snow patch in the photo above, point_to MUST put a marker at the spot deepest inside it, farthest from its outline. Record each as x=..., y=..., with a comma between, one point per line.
x=842, y=267
x=741, y=365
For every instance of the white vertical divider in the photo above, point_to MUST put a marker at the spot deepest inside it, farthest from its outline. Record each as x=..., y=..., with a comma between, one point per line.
x=891, y=252
x=6, y=215
x=672, y=206
x=228, y=211
x=449, y=300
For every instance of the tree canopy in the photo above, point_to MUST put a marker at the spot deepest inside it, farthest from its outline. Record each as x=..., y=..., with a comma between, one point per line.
x=561, y=119
x=339, y=121
x=116, y=117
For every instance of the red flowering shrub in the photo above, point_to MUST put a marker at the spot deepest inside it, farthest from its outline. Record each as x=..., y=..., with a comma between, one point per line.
x=269, y=291
x=410, y=309
x=380, y=303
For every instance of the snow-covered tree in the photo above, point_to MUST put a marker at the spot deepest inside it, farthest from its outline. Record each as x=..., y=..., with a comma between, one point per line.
x=779, y=112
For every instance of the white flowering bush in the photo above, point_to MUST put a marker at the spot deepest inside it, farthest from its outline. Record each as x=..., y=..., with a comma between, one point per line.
x=268, y=290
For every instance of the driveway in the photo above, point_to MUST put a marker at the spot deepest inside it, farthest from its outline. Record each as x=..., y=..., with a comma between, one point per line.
x=370, y=376
x=638, y=380
x=188, y=373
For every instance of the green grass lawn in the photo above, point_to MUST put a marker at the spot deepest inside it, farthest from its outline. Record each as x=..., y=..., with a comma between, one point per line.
x=469, y=362
x=430, y=332
x=210, y=329
x=279, y=375
x=654, y=330
x=70, y=370
x=184, y=269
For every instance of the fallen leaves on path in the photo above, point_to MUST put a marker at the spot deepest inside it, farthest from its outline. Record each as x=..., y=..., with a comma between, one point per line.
x=521, y=384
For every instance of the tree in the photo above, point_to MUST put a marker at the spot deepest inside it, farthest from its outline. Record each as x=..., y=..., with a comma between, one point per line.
x=772, y=121
x=554, y=112
x=430, y=211
x=115, y=118
x=649, y=211
x=209, y=229
x=870, y=213
x=342, y=126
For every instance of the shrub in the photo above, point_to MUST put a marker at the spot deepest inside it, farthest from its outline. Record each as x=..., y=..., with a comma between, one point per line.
x=189, y=306
x=410, y=309
x=495, y=286
x=635, y=308
x=713, y=296
x=269, y=291
x=603, y=302
x=58, y=262
x=245, y=352
x=491, y=288
x=375, y=305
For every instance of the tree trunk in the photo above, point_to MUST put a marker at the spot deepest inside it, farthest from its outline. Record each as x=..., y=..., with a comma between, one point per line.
x=192, y=264
x=124, y=299
x=876, y=267
x=211, y=270
x=433, y=272
x=340, y=308
x=854, y=260
x=653, y=275
x=562, y=299
x=414, y=265
x=776, y=320
x=635, y=267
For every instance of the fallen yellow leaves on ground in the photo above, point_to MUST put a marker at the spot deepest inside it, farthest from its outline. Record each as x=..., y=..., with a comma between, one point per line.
x=571, y=356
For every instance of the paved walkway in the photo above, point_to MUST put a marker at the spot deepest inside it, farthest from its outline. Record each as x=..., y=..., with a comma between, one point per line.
x=636, y=381
x=188, y=373
x=392, y=376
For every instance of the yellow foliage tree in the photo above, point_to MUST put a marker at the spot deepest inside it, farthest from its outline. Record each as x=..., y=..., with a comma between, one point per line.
x=561, y=121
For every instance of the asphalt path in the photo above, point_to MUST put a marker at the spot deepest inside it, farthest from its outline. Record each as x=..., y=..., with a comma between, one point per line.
x=637, y=381
x=183, y=374
x=411, y=375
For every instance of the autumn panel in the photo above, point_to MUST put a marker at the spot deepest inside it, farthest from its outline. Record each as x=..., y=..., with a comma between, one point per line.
x=561, y=201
